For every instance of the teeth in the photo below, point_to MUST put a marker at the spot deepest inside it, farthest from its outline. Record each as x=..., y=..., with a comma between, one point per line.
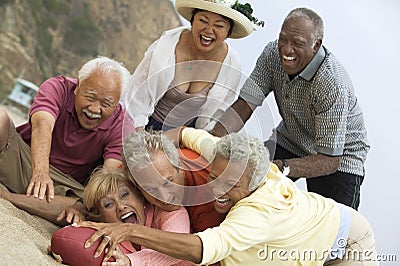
x=290, y=58
x=208, y=39
x=126, y=215
x=92, y=115
x=221, y=200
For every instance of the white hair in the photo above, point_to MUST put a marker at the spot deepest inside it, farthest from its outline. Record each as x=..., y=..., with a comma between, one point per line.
x=312, y=16
x=239, y=147
x=141, y=145
x=105, y=65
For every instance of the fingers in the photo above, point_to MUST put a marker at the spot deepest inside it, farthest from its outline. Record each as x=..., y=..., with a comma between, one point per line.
x=36, y=187
x=118, y=255
x=111, y=251
x=50, y=192
x=96, y=235
x=39, y=190
x=87, y=224
x=61, y=216
x=103, y=244
x=77, y=218
x=72, y=217
x=29, y=189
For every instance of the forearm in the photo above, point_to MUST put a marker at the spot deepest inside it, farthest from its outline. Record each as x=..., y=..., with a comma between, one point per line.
x=42, y=127
x=178, y=245
x=311, y=166
x=200, y=141
x=233, y=119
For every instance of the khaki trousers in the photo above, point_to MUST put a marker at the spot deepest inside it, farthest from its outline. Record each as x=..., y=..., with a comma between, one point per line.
x=16, y=169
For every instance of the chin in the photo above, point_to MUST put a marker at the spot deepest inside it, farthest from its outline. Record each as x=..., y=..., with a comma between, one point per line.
x=222, y=211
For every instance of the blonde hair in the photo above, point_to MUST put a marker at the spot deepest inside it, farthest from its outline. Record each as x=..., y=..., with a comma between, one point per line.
x=103, y=181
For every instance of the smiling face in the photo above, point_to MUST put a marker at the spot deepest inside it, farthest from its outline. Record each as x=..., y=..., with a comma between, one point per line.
x=161, y=183
x=229, y=183
x=209, y=30
x=96, y=98
x=297, y=44
x=124, y=205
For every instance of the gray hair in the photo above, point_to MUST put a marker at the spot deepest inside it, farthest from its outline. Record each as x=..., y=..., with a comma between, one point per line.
x=140, y=145
x=310, y=15
x=248, y=149
x=106, y=66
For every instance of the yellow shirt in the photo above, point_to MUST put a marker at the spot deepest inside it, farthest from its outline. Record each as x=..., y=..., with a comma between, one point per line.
x=278, y=224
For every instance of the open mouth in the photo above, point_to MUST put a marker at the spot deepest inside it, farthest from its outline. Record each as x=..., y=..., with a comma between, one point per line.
x=289, y=58
x=130, y=217
x=221, y=202
x=90, y=115
x=206, y=40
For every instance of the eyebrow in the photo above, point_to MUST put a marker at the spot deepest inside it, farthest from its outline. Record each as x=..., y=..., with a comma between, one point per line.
x=94, y=92
x=218, y=20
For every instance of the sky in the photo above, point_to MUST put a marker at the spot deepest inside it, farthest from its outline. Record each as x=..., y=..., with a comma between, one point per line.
x=364, y=36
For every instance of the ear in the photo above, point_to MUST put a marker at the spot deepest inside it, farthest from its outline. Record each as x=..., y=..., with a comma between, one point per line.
x=76, y=88
x=317, y=45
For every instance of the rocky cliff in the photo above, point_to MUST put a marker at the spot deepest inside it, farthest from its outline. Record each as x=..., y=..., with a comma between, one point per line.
x=43, y=38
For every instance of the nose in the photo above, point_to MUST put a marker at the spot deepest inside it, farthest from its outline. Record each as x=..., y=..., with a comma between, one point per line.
x=95, y=107
x=217, y=188
x=209, y=28
x=120, y=205
x=287, y=48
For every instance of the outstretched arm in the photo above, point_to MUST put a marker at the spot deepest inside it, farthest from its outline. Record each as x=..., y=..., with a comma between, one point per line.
x=234, y=118
x=311, y=166
x=41, y=183
x=178, y=245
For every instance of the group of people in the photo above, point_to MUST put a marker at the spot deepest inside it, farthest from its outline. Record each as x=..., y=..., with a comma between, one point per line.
x=152, y=159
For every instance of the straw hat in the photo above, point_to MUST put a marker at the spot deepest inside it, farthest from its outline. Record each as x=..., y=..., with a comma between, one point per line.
x=242, y=25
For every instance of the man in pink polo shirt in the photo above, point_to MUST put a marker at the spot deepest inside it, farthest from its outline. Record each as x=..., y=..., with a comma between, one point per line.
x=74, y=125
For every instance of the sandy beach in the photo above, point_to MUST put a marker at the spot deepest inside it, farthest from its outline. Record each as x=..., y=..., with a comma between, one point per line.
x=24, y=237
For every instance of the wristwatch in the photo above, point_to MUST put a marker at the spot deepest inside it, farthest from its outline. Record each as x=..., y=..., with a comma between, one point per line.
x=286, y=167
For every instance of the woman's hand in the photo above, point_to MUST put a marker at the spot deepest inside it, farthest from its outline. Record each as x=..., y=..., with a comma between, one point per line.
x=73, y=214
x=120, y=259
x=110, y=234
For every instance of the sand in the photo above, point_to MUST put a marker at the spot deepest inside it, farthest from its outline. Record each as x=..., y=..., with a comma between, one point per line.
x=24, y=237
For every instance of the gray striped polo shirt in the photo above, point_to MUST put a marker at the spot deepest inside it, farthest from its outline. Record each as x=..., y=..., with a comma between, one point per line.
x=319, y=108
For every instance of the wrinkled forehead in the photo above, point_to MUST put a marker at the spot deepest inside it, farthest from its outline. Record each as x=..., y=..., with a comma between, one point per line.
x=298, y=24
x=227, y=169
x=151, y=175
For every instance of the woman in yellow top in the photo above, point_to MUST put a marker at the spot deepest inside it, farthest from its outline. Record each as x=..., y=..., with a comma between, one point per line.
x=269, y=220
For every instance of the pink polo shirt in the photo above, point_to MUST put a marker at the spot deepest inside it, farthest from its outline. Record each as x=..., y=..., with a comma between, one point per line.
x=75, y=150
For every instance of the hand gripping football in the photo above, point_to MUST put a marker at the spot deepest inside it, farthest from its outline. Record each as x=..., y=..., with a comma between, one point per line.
x=68, y=242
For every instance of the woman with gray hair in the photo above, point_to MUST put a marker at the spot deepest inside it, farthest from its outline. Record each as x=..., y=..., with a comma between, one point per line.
x=169, y=177
x=269, y=220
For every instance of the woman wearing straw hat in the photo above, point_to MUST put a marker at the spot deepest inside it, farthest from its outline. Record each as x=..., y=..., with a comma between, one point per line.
x=190, y=75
